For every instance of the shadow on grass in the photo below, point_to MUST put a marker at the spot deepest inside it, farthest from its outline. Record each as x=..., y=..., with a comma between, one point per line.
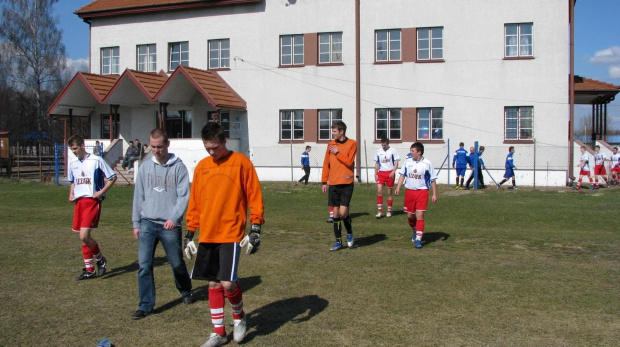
x=133, y=267
x=434, y=237
x=270, y=318
x=359, y=214
x=369, y=240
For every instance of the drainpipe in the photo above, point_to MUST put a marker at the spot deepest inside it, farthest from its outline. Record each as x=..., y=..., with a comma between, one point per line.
x=571, y=89
x=358, y=123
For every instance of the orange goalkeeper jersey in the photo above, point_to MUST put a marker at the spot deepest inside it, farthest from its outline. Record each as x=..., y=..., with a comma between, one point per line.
x=338, y=168
x=220, y=195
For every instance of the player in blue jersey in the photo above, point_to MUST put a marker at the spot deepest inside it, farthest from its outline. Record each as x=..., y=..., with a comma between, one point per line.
x=459, y=162
x=88, y=187
x=305, y=164
x=472, y=159
x=418, y=174
x=510, y=169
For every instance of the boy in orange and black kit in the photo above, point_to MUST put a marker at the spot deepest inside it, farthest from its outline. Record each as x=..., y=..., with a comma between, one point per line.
x=338, y=178
x=224, y=185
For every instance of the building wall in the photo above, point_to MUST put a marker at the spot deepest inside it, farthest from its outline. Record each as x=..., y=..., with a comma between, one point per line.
x=473, y=84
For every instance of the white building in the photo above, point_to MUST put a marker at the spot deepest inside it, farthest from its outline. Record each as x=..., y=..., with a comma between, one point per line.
x=276, y=73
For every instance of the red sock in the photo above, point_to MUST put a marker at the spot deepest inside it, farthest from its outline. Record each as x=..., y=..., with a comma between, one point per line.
x=97, y=252
x=419, y=226
x=331, y=212
x=389, y=203
x=87, y=254
x=236, y=302
x=216, y=304
x=412, y=223
x=379, y=203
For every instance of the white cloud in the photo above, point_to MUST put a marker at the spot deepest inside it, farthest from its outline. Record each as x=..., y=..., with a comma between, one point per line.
x=614, y=71
x=76, y=65
x=607, y=56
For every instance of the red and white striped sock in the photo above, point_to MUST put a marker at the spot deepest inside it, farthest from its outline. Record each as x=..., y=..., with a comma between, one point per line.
x=216, y=304
x=236, y=302
x=380, y=204
x=87, y=254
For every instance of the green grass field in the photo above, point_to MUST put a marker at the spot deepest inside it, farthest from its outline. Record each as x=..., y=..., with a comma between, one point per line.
x=499, y=268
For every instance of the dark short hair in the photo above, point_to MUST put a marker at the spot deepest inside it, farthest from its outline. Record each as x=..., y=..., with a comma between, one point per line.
x=419, y=146
x=213, y=131
x=385, y=140
x=308, y=147
x=339, y=125
x=481, y=148
x=157, y=133
x=511, y=148
x=461, y=144
x=597, y=146
x=75, y=140
x=616, y=148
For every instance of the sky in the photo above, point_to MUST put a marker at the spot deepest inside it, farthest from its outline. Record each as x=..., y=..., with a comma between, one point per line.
x=597, y=44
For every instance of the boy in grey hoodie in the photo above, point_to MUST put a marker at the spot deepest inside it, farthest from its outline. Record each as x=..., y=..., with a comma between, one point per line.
x=159, y=202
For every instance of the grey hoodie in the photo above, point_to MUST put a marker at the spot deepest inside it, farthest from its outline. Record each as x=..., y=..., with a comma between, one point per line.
x=161, y=192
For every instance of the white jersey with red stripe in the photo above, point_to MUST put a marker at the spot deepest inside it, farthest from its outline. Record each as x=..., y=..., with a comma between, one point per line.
x=584, y=160
x=599, y=158
x=87, y=175
x=387, y=159
x=615, y=160
x=418, y=174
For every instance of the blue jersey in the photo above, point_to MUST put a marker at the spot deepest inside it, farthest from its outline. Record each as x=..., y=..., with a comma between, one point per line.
x=509, y=161
x=472, y=157
x=305, y=159
x=460, y=158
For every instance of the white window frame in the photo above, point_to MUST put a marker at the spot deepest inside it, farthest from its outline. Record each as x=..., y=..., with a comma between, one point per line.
x=388, y=123
x=146, y=61
x=330, y=48
x=520, y=43
x=219, y=54
x=431, y=46
x=519, y=123
x=110, y=60
x=290, y=121
x=292, y=52
x=391, y=45
x=183, y=55
x=433, y=123
x=326, y=118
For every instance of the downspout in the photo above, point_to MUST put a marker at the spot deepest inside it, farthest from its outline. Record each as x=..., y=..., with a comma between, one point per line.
x=358, y=132
x=571, y=89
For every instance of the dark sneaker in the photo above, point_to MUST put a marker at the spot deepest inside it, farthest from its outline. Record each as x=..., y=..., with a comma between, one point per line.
x=85, y=275
x=139, y=314
x=330, y=220
x=102, y=266
x=337, y=246
x=188, y=299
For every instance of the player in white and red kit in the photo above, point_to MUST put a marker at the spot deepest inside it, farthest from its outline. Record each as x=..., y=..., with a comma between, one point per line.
x=599, y=166
x=419, y=176
x=87, y=190
x=386, y=164
x=584, y=168
x=614, y=165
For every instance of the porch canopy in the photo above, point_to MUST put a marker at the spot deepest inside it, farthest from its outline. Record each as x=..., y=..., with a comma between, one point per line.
x=598, y=94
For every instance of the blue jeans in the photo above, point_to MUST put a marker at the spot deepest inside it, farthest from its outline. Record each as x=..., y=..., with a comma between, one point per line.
x=150, y=235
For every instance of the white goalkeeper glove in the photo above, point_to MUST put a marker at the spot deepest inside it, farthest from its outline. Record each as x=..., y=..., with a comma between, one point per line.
x=252, y=239
x=190, y=246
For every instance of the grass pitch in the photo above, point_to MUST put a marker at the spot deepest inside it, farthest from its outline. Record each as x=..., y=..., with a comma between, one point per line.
x=498, y=268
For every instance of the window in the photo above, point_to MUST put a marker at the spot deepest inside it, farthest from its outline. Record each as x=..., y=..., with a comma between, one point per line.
x=388, y=47
x=105, y=127
x=110, y=60
x=326, y=118
x=388, y=123
x=223, y=118
x=219, y=54
x=291, y=124
x=330, y=48
x=430, y=43
x=519, y=123
x=179, y=124
x=292, y=50
x=430, y=123
x=147, y=58
x=179, y=55
x=519, y=40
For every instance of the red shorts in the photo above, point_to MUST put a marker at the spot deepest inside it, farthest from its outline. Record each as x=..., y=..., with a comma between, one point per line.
x=582, y=172
x=415, y=200
x=383, y=178
x=86, y=214
x=616, y=169
x=600, y=170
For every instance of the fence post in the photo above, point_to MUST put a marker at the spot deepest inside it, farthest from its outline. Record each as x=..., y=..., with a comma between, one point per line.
x=56, y=168
x=534, y=163
x=475, y=163
x=292, y=174
x=18, y=168
x=448, y=156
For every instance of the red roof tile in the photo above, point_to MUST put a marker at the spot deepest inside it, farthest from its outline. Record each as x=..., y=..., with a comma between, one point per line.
x=101, y=84
x=114, y=7
x=214, y=87
x=587, y=84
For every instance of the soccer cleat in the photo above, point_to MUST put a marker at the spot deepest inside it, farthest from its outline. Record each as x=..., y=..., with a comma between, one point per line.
x=139, y=314
x=188, y=299
x=378, y=215
x=336, y=246
x=497, y=185
x=350, y=240
x=418, y=243
x=456, y=188
x=85, y=275
x=330, y=220
x=240, y=328
x=389, y=214
x=102, y=266
x=215, y=340
x=592, y=188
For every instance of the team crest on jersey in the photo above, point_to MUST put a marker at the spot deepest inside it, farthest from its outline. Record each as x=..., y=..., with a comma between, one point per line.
x=83, y=174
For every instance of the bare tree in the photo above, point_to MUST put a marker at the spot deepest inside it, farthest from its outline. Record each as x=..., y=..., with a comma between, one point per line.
x=33, y=54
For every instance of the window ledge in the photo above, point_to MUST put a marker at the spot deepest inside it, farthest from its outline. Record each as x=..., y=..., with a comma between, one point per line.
x=387, y=62
x=508, y=142
x=432, y=141
x=289, y=141
x=430, y=61
x=519, y=58
x=291, y=66
x=330, y=64
x=220, y=69
x=391, y=141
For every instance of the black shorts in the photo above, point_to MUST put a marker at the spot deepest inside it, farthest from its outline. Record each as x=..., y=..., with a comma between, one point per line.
x=340, y=194
x=217, y=262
